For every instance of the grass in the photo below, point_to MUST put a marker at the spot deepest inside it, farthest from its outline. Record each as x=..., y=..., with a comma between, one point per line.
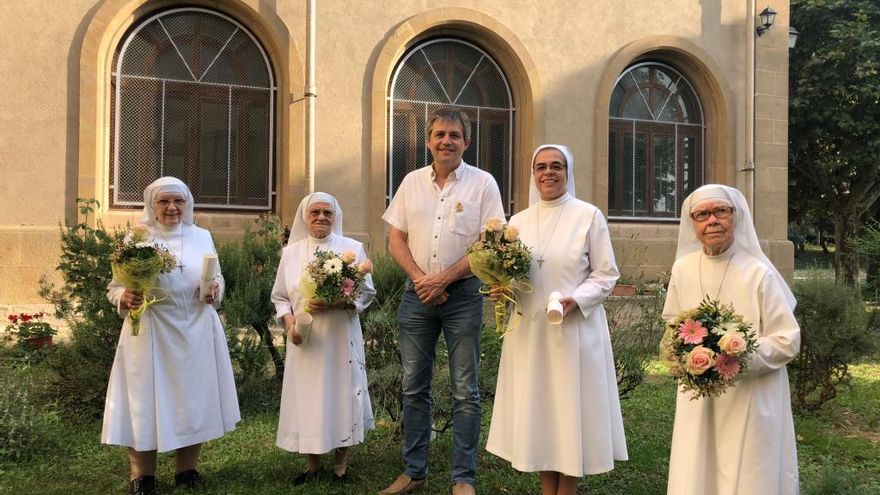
x=845, y=435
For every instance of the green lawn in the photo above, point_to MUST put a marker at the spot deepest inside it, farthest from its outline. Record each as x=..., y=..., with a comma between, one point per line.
x=845, y=435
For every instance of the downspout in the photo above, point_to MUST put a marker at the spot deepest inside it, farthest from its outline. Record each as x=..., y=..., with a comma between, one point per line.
x=749, y=166
x=310, y=94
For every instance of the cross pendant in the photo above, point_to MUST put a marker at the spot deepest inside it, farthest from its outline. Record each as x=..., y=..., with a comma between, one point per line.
x=181, y=266
x=540, y=262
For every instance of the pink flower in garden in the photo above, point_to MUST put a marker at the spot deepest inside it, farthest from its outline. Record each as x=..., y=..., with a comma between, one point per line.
x=347, y=286
x=692, y=332
x=726, y=366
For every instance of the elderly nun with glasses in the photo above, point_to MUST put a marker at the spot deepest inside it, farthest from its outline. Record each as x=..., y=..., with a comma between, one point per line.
x=742, y=441
x=325, y=404
x=556, y=407
x=171, y=385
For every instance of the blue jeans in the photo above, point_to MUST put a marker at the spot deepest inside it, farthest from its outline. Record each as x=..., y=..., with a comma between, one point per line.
x=460, y=319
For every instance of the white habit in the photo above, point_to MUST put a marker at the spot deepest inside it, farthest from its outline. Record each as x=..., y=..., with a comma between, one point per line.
x=172, y=385
x=325, y=403
x=742, y=442
x=556, y=405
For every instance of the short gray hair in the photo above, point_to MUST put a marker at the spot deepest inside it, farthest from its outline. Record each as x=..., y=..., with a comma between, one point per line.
x=453, y=115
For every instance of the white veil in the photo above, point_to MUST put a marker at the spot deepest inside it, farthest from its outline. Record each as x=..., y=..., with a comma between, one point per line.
x=300, y=229
x=745, y=238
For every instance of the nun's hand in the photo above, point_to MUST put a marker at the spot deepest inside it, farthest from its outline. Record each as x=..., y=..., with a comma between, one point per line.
x=211, y=297
x=132, y=299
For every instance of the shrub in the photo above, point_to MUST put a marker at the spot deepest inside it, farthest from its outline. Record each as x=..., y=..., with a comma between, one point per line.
x=249, y=268
x=636, y=326
x=836, y=331
x=82, y=367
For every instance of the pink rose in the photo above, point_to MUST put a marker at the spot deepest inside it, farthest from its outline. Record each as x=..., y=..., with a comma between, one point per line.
x=692, y=332
x=699, y=360
x=348, y=257
x=732, y=343
x=366, y=266
x=494, y=225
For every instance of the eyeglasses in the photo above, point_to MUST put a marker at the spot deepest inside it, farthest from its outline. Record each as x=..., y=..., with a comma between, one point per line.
x=165, y=203
x=540, y=168
x=719, y=213
x=315, y=213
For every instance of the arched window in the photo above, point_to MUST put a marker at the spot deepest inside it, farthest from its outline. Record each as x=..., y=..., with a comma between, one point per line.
x=450, y=73
x=193, y=97
x=656, y=143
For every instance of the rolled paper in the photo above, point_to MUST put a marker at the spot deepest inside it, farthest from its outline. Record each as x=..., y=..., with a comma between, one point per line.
x=554, y=308
x=210, y=265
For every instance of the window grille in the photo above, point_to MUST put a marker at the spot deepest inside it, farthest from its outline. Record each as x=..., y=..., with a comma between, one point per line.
x=451, y=73
x=655, y=143
x=193, y=97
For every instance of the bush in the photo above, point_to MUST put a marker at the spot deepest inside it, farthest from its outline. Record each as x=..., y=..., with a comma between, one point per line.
x=82, y=367
x=636, y=326
x=249, y=269
x=836, y=330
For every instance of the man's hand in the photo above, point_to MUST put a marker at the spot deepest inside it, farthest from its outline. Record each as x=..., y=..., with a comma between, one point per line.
x=431, y=287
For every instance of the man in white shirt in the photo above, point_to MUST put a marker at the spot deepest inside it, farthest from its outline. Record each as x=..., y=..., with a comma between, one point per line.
x=436, y=213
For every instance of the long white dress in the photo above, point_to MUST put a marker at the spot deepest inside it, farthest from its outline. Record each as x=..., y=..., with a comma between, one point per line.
x=742, y=442
x=172, y=385
x=325, y=403
x=556, y=405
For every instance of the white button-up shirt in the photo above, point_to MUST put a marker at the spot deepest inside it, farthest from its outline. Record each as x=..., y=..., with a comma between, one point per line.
x=442, y=223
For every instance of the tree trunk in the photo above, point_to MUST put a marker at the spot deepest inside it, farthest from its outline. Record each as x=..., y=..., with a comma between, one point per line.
x=846, y=257
x=266, y=337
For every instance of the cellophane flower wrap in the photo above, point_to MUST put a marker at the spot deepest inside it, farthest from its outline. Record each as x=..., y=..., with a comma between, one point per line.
x=708, y=348
x=501, y=259
x=136, y=264
x=333, y=278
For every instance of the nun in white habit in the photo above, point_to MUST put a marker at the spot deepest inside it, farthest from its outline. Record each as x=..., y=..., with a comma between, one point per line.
x=325, y=404
x=171, y=386
x=743, y=441
x=556, y=406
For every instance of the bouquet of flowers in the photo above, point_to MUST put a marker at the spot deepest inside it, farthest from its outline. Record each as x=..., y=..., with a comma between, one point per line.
x=333, y=278
x=707, y=348
x=136, y=264
x=502, y=259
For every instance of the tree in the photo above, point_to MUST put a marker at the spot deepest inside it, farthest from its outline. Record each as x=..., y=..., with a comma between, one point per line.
x=834, y=121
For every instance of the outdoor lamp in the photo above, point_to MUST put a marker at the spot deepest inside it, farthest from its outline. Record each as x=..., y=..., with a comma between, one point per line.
x=792, y=36
x=768, y=17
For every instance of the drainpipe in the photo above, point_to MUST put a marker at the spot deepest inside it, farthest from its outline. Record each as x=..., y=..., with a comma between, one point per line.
x=749, y=166
x=310, y=94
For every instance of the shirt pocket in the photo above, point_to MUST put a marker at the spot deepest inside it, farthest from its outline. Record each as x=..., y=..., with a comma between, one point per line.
x=465, y=219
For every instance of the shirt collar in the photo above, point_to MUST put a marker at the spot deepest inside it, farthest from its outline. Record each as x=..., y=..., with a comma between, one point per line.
x=456, y=175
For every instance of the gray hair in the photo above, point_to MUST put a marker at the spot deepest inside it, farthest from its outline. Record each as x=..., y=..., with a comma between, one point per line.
x=453, y=115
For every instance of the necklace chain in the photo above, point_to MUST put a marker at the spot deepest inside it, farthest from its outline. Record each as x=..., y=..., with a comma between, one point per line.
x=540, y=259
x=723, y=276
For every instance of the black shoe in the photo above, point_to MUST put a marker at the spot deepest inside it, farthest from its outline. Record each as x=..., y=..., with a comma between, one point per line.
x=143, y=485
x=307, y=476
x=339, y=478
x=189, y=479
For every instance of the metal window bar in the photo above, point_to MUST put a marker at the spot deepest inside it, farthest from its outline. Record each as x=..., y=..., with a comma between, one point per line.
x=427, y=99
x=673, y=90
x=238, y=195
